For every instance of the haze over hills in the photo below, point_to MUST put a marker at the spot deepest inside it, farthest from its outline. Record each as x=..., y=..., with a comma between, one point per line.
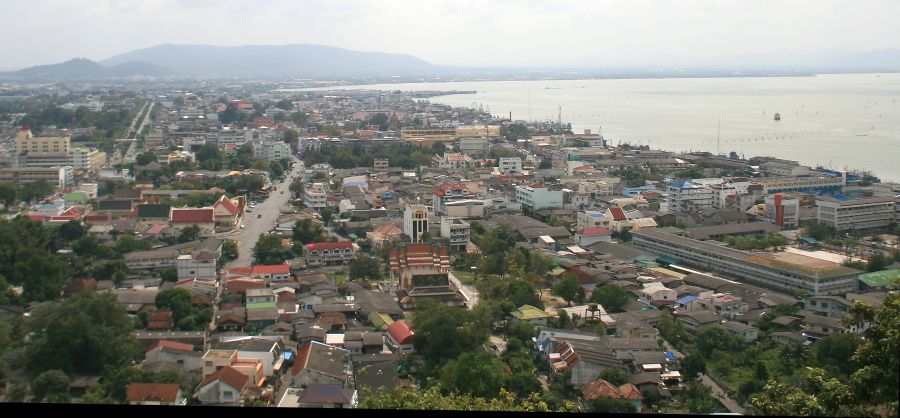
x=85, y=69
x=273, y=60
x=326, y=62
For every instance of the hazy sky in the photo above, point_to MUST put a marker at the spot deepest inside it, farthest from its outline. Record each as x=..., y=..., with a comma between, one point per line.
x=457, y=32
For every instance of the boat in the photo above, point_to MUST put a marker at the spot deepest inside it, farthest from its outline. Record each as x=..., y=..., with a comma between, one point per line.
x=777, y=116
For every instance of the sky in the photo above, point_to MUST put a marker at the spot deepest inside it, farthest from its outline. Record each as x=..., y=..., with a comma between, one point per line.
x=471, y=33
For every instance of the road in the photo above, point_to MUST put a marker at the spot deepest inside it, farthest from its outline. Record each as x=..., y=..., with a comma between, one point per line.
x=719, y=393
x=254, y=225
x=470, y=292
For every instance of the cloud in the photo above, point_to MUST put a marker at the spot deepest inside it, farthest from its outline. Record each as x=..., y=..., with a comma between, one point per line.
x=462, y=32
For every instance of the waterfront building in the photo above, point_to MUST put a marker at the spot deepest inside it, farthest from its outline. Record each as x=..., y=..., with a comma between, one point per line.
x=855, y=214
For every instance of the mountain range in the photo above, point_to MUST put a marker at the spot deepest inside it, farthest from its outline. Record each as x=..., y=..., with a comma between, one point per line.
x=326, y=62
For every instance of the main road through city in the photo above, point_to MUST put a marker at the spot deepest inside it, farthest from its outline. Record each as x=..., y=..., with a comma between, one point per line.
x=254, y=224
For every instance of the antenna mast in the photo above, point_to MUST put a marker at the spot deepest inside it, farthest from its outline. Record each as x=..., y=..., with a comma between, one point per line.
x=718, y=138
x=559, y=120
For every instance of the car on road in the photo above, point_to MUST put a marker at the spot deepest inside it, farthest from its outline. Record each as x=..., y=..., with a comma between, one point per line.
x=259, y=216
x=242, y=226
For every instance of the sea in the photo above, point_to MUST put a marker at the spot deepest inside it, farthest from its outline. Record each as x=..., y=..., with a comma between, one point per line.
x=837, y=121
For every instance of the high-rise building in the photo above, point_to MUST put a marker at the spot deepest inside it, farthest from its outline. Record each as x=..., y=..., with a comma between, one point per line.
x=415, y=221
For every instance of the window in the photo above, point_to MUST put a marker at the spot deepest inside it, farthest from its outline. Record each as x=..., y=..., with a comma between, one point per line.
x=227, y=394
x=209, y=364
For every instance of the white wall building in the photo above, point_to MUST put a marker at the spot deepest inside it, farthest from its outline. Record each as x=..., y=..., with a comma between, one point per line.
x=415, y=221
x=457, y=231
x=688, y=197
x=510, y=166
x=315, y=196
x=855, y=214
x=537, y=197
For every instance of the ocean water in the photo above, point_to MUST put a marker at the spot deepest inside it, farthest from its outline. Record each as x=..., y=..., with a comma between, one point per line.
x=838, y=121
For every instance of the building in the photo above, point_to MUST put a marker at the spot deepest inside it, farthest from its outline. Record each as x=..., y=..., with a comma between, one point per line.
x=824, y=185
x=381, y=164
x=154, y=394
x=457, y=231
x=776, y=167
x=86, y=159
x=537, y=197
x=28, y=144
x=428, y=136
x=464, y=209
x=226, y=211
x=315, y=196
x=384, y=234
x=415, y=222
x=422, y=271
x=204, y=218
x=784, y=272
x=319, y=363
x=330, y=253
x=400, y=337
x=475, y=147
x=483, y=131
x=511, y=166
x=173, y=356
x=199, y=268
x=591, y=236
x=855, y=214
x=783, y=210
x=529, y=314
x=445, y=193
x=592, y=219
x=58, y=176
x=685, y=196
x=225, y=386
x=453, y=161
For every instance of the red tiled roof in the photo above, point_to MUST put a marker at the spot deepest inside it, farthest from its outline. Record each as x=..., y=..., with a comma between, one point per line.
x=241, y=270
x=420, y=255
x=272, y=269
x=319, y=246
x=160, y=392
x=227, y=204
x=442, y=188
x=594, y=231
x=171, y=345
x=630, y=392
x=98, y=219
x=155, y=229
x=302, y=358
x=192, y=216
x=600, y=388
x=617, y=213
x=400, y=332
x=38, y=218
x=227, y=375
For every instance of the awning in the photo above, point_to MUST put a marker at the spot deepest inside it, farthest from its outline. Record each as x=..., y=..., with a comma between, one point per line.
x=278, y=363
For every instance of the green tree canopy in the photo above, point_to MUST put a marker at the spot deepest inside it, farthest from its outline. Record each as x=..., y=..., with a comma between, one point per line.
x=177, y=300
x=84, y=334
x=611, y=406
x=307, y=231
x=51, y=386
x=569, y=288
x=614, y=375
x=433, y=399
x=444, y=332
x=365, y=267
x=269, y=250
x=479, y=374
x=611, y=297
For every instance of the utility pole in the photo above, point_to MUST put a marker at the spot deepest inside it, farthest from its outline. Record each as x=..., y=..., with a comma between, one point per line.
x=719, y=138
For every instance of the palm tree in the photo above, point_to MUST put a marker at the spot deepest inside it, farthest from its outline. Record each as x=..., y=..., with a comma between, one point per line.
x=796, y=353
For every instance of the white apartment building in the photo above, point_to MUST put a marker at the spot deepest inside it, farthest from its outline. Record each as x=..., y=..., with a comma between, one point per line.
x=783, y=168
x=457, y=231
x=415, y=221
x=855, y=214
x=591, y=219
x=685, y=196
x=87, y=159
x=724, y=195
x=381, y=164
x=783, y=211
x=537, y=197
x=511, y=166
x=315, y=196
x=271, y=150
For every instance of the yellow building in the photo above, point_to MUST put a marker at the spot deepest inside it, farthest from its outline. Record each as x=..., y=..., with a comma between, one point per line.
x=26, y=143
x=427, y=136
x=488, y=131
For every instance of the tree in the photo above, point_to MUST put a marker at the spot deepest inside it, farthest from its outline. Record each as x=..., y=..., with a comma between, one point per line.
x=107, y=270
x=8, y=193
x=307, y=231
x=600, y=328
x=41, y=274
x=692, y=365
x=52, y=386
x=145, y=158
x=878, y=262
x=402, y=397
x=84, y=334
x=611, y=297
x=365, y=267
x=230, y=249
x=878, y=355
x=606, y=405
x=169, y=274
x=126, y=243
x=326, y=215
x=444, y=332
x=545, y=164
x=614, y=375
x=381, y=120
x=177, y=300
x=479, y=374
x=191, y=233
x=17, y=392
x=712, y=338
x=524, y=383
x=71, y=231
x=569, y=288
x=269, y=250
x=699, y=400
x=836, y=350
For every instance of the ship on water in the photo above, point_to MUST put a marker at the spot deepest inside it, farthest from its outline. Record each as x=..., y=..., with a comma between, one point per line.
x=777, y=116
